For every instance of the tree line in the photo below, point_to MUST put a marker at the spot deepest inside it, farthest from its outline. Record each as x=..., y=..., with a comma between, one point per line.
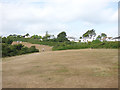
x=60, y=42
x=61, y=37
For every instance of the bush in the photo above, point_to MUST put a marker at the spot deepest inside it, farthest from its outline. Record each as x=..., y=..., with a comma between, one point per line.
x=95, y=44
x=96, y=41
x=7, y=40
x=71, y=46
x=13, y=50
x=33, y=49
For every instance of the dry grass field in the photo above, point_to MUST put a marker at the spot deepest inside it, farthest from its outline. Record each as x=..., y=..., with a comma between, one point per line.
x=85, y=68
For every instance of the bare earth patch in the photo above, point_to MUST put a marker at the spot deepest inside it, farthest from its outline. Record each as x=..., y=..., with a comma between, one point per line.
x=96, y=68
x=47, y=48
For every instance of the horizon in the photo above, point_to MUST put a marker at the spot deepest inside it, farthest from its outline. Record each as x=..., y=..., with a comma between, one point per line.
x=74, y=17
x=54, y=35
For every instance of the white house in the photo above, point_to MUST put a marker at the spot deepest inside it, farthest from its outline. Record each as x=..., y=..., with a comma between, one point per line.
x=52, y=37
x=117, y=38
x=27, y=36
x=108, y=39
x=72, y=39
x=87, y=39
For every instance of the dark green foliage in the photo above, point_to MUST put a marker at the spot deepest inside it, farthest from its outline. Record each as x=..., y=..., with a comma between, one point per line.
x=89, y=33
x=19, y=36
x=80, y=37
x=36, y=37
x=7, y=40
x=95, y=44
x=18, y=47
x=33, y=49
x=13, y=50
x=61, y=37
x=103, y=35
x=0, y=39
x=66, y=46
x=99, y=37
x=105, y=44
x=27, y=34
x=46, y=37
x=96, y=41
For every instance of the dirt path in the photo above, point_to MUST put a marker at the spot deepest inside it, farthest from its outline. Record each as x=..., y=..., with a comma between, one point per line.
x=47, y=48
x=62, y=69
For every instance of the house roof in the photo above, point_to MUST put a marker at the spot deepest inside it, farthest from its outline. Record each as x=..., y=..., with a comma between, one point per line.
x=86, y=38
x=109, y=37
x=117, y=37
x=71, y=37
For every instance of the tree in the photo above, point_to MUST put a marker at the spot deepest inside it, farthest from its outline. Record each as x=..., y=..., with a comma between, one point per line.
x=18, y=47
x=4, y=40
x=36, y=37
x=61, y=37
x=103, y=35
x=27, y=34
x=0, y=39
x=14, y=35
x=96, y=41
x=18, y=36
x=80, y=37
x=39, y=37
x=46, y=33
x=46, y=37
x=90, y=33
x=7, y=40
x=33, y=49
x=99, y=37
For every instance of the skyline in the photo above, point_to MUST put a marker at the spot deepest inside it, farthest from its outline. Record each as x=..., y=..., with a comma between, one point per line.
x=74, y=17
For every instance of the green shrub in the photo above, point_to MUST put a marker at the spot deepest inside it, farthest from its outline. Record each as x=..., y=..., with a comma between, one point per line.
x=13, y=50
x=7, y=40
x=96, y=41
x=95, y=44
x=33, y=49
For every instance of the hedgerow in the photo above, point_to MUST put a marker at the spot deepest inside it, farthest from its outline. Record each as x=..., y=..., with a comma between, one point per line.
x=19, y=49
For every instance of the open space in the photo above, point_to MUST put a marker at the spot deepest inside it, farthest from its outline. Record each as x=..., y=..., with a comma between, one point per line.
x=59, y=43
x=85, y=68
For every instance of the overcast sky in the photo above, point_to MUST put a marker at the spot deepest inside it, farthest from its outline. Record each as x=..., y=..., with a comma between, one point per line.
x=73, y=16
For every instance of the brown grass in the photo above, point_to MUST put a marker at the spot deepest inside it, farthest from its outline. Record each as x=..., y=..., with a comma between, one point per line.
x=47, y=48
x=96, y=68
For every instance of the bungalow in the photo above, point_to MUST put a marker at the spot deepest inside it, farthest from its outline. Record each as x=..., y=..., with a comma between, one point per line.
x=108, y=39
x=52, y=37
x=117, y=38
x=87, y=39
x=72, y=39
x=27, y=36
